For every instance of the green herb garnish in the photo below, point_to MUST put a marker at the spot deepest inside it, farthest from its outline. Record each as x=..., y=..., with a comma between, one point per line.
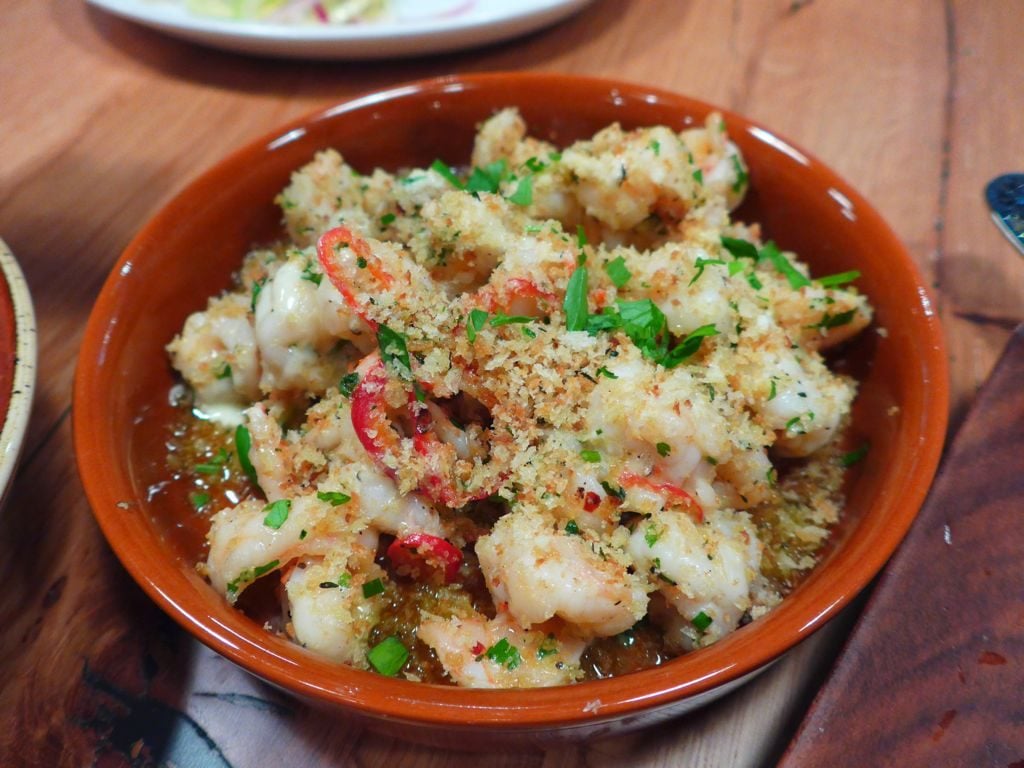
x=474, y=322
x=504, y=653
x=575, y=302
x=664, y=449
x=524, y=191
x=701, y=621
x=393, y=351
x=372, y=588
x=199, y=499
x=348, y=383
x=444, y=170
x=334, y=498
x=617, y=271
x=590, y=456
x=840, y=278
x=277, y=513
x=388, y=656
x=851, y=458
x=243, y=442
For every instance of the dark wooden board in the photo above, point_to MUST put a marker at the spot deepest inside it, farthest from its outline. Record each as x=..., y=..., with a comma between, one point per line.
x=933, y=673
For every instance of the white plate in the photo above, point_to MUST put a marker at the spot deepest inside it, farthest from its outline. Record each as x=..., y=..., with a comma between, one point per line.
x=412, y=27
x=18, y=328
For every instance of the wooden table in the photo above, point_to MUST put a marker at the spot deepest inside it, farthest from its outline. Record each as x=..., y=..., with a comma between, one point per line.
x=916, y=102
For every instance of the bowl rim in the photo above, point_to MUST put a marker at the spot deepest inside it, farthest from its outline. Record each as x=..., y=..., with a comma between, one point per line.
x=19, y=407
x=403, y=701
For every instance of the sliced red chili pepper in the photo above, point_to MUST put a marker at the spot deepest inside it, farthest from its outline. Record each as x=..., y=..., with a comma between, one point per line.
x=591, y=501
x=338, y=269
x=370, y=411
x=674, y=495
x=410, y=554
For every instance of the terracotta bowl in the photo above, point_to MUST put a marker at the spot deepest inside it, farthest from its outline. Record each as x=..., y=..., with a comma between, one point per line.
x=17, y=364
x=190, y=249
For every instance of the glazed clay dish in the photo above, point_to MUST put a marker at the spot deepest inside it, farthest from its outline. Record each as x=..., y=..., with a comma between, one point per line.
x=193, y=247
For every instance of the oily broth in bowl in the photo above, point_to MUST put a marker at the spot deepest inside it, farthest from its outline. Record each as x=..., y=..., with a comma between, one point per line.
x=154, y=288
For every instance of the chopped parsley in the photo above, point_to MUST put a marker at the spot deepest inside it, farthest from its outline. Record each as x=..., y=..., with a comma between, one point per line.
x=611, y=490
x=502, y=319
x=575, y=303
x=373, y=588
x=590, y=455
x=548, y=648
x=199, y=499
x=655, y=146
x=834, y=321
x=348, y=384
x=572, y=528
x=504, y=653
x=393, y=351
x=617, y=271
x=277, y=513
x=854, y=456
x=771, y=253
x=250, y=575
x=741, y=249
x=524, y=191
x=257, y=286
x=701, y=621
x=700, y=264
x=334, y=498
x=651, y=534
x=386, y=220
x=311, y=275
x=488, y=178
x=215, y=465
x=224, y=372
x=698, y=176
x=476, y=320
x=602, y=371
x=840, y=278
x=243, y=442
x=388, y=656
x=444, y=170
x=741, y=175
x=664, y=449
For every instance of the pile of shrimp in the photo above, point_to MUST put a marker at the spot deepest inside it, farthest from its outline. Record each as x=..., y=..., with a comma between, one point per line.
x=581, y=339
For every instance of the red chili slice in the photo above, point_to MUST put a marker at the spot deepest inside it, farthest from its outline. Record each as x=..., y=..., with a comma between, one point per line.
x=370, y=411
x=411, y=553
x=338, y=270
x=671, y=491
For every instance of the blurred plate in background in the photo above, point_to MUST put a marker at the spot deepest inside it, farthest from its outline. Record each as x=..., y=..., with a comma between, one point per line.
x=17, y=363
x=411, y=27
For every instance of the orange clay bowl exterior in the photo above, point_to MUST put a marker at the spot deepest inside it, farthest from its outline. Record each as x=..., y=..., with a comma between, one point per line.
x=189, y=251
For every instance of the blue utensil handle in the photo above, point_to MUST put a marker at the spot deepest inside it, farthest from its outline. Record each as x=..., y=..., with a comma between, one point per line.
x=1005, y=196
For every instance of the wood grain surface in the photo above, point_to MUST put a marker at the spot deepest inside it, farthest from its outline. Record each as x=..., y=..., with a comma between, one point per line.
x=915, y=102
x=933, y=674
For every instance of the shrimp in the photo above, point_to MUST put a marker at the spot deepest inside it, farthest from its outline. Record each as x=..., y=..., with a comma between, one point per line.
x=244, y=545
x=699, y=568
x=299, y=319
x=683, y=423
x=539, y=572
x=216, y=353
x=498, y=653
x=325, y=604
